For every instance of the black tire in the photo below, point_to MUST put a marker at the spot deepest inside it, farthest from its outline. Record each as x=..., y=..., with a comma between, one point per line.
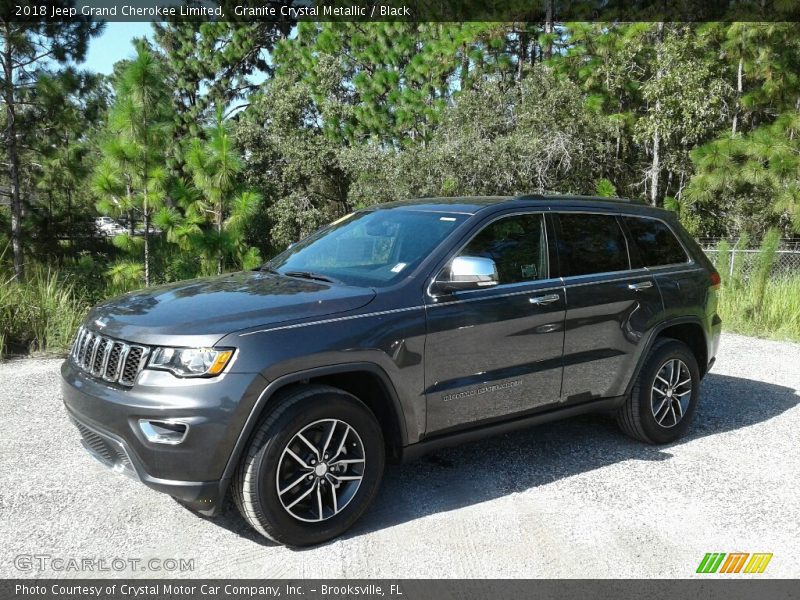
x=255, y=488
x=636, y=417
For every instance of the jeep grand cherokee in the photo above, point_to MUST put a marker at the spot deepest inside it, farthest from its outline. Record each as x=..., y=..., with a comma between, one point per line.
x=396, y=330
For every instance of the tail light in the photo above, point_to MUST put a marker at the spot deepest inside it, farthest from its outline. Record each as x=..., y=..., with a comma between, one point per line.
x=716, y=280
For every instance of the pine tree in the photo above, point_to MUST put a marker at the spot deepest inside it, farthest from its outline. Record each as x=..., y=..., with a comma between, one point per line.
x=131, y=178
x=226, y=206
x=389, y=80
x=213, y=65
x=29, y=50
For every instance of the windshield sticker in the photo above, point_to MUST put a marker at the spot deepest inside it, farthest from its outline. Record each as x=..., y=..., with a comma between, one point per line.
x=398, y=267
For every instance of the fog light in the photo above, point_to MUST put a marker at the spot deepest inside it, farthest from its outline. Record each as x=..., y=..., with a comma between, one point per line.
x=163, y=432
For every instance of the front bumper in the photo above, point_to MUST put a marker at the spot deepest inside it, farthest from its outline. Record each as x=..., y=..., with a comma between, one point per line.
x=107, y=417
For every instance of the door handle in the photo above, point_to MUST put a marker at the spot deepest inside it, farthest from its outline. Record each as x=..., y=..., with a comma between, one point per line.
x=642, y=285
x=542, y=300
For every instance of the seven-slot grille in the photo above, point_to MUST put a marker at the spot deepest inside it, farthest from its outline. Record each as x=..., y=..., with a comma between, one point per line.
x=107, y=358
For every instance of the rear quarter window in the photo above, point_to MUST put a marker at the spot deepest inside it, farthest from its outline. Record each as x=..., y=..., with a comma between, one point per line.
x=655, y=242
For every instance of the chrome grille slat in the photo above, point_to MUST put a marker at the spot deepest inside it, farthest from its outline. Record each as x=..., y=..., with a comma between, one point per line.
x=91, y=340
x=95, y=346
x=98, y=356
x=109, y=359
x=123, y=359
x=84, y=347
x=111, y=369
x=133, y=364
x=106, y=354
x=77, y=343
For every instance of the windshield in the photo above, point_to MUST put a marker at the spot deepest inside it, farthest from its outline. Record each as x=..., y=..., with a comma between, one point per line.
x=369, y=248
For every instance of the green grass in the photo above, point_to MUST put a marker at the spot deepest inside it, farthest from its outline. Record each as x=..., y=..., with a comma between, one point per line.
x=772, y=311
x=39, y=315
x=758, y=304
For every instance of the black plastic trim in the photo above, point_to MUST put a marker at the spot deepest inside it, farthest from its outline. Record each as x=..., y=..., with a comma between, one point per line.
x=263, y=401
x=415, y=451
x=651, y=340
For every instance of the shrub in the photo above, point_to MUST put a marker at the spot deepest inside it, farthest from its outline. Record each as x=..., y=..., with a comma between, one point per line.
x=759, y=303
x=40, y=314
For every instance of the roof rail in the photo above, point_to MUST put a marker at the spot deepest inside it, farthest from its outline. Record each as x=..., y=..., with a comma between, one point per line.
x=578, y=197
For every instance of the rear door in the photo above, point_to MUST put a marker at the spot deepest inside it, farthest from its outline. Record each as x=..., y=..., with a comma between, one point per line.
x=611, y=304
x=492, y=353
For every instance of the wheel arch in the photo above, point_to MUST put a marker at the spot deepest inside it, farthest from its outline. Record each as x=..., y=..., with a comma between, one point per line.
x=367, y=381
x=684, y=329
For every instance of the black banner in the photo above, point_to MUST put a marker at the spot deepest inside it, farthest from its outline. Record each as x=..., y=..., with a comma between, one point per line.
x=402, y=10
x=401, y=589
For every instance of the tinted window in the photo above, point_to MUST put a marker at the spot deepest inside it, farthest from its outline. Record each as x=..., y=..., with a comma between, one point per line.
x=656, y=243
x=590, y=244
x=517, y=245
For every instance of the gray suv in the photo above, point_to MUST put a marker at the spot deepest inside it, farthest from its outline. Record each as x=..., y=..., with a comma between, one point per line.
x=392, y=332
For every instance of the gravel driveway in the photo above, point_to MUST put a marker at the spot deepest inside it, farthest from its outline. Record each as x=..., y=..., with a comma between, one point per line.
x=570, y=499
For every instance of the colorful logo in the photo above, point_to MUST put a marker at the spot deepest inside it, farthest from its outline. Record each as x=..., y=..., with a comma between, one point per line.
x=734, y=562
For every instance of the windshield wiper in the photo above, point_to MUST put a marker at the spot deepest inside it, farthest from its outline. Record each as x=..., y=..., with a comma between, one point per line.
x=309, y=275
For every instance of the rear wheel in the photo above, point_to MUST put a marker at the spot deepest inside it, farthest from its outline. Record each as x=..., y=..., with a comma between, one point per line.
x=664, y=398
x=312, y=468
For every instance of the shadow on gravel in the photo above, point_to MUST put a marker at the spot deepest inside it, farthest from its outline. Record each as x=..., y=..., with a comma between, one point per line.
x=479, y=471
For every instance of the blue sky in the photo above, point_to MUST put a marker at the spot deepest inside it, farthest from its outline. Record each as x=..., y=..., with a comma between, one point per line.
x=114, y=44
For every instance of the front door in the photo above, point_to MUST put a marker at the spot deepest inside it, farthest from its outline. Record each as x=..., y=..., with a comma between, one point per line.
x=495, y=352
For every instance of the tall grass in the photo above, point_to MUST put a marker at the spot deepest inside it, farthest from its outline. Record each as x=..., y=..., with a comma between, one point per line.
x=39, y=315
x=758, y=303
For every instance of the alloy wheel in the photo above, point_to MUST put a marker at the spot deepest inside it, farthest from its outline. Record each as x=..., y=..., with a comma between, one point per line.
x=320, y=470
x=671, y=393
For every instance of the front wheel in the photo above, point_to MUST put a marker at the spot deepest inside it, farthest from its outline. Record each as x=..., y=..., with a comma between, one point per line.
x=312, y=468
x=664, y=398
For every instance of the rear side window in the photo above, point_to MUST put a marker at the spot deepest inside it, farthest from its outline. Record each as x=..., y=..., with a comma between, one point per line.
x=655, y=242
x=590, y=244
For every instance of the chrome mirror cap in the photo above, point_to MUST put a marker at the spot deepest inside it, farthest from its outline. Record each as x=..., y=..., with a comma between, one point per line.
x=467, y=273
x=476, y=270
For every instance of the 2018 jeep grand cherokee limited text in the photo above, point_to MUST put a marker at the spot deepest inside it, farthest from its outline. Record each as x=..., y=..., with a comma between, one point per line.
x=394, y=331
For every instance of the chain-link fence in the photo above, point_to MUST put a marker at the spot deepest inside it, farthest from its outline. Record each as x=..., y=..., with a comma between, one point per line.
x=743, y=260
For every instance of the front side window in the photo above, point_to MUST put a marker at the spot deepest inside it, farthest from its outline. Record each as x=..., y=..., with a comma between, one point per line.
x=517, y=245
x=655, y=242
x=369, y=248
x=589, y=244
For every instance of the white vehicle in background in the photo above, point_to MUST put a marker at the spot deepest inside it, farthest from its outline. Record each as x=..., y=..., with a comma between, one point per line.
x=108, y=226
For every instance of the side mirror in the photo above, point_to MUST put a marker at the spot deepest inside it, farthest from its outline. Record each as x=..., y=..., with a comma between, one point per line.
x=468, y=273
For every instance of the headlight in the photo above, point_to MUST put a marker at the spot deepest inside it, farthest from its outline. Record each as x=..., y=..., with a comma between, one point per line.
x=190, y=362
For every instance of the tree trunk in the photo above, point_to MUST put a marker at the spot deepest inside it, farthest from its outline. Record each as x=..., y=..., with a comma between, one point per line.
x=655, y=167
x=13, y=157
x=146, y=249
x=48, y=223
x=522, y=53
x=464, y=75
x=547, y=51
x=738, y=96
x=129, y=213
x=146, y=218
x=71, y=232
x=219, y=231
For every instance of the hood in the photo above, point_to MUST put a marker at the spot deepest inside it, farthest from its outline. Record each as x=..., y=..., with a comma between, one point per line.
x=201, y=311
